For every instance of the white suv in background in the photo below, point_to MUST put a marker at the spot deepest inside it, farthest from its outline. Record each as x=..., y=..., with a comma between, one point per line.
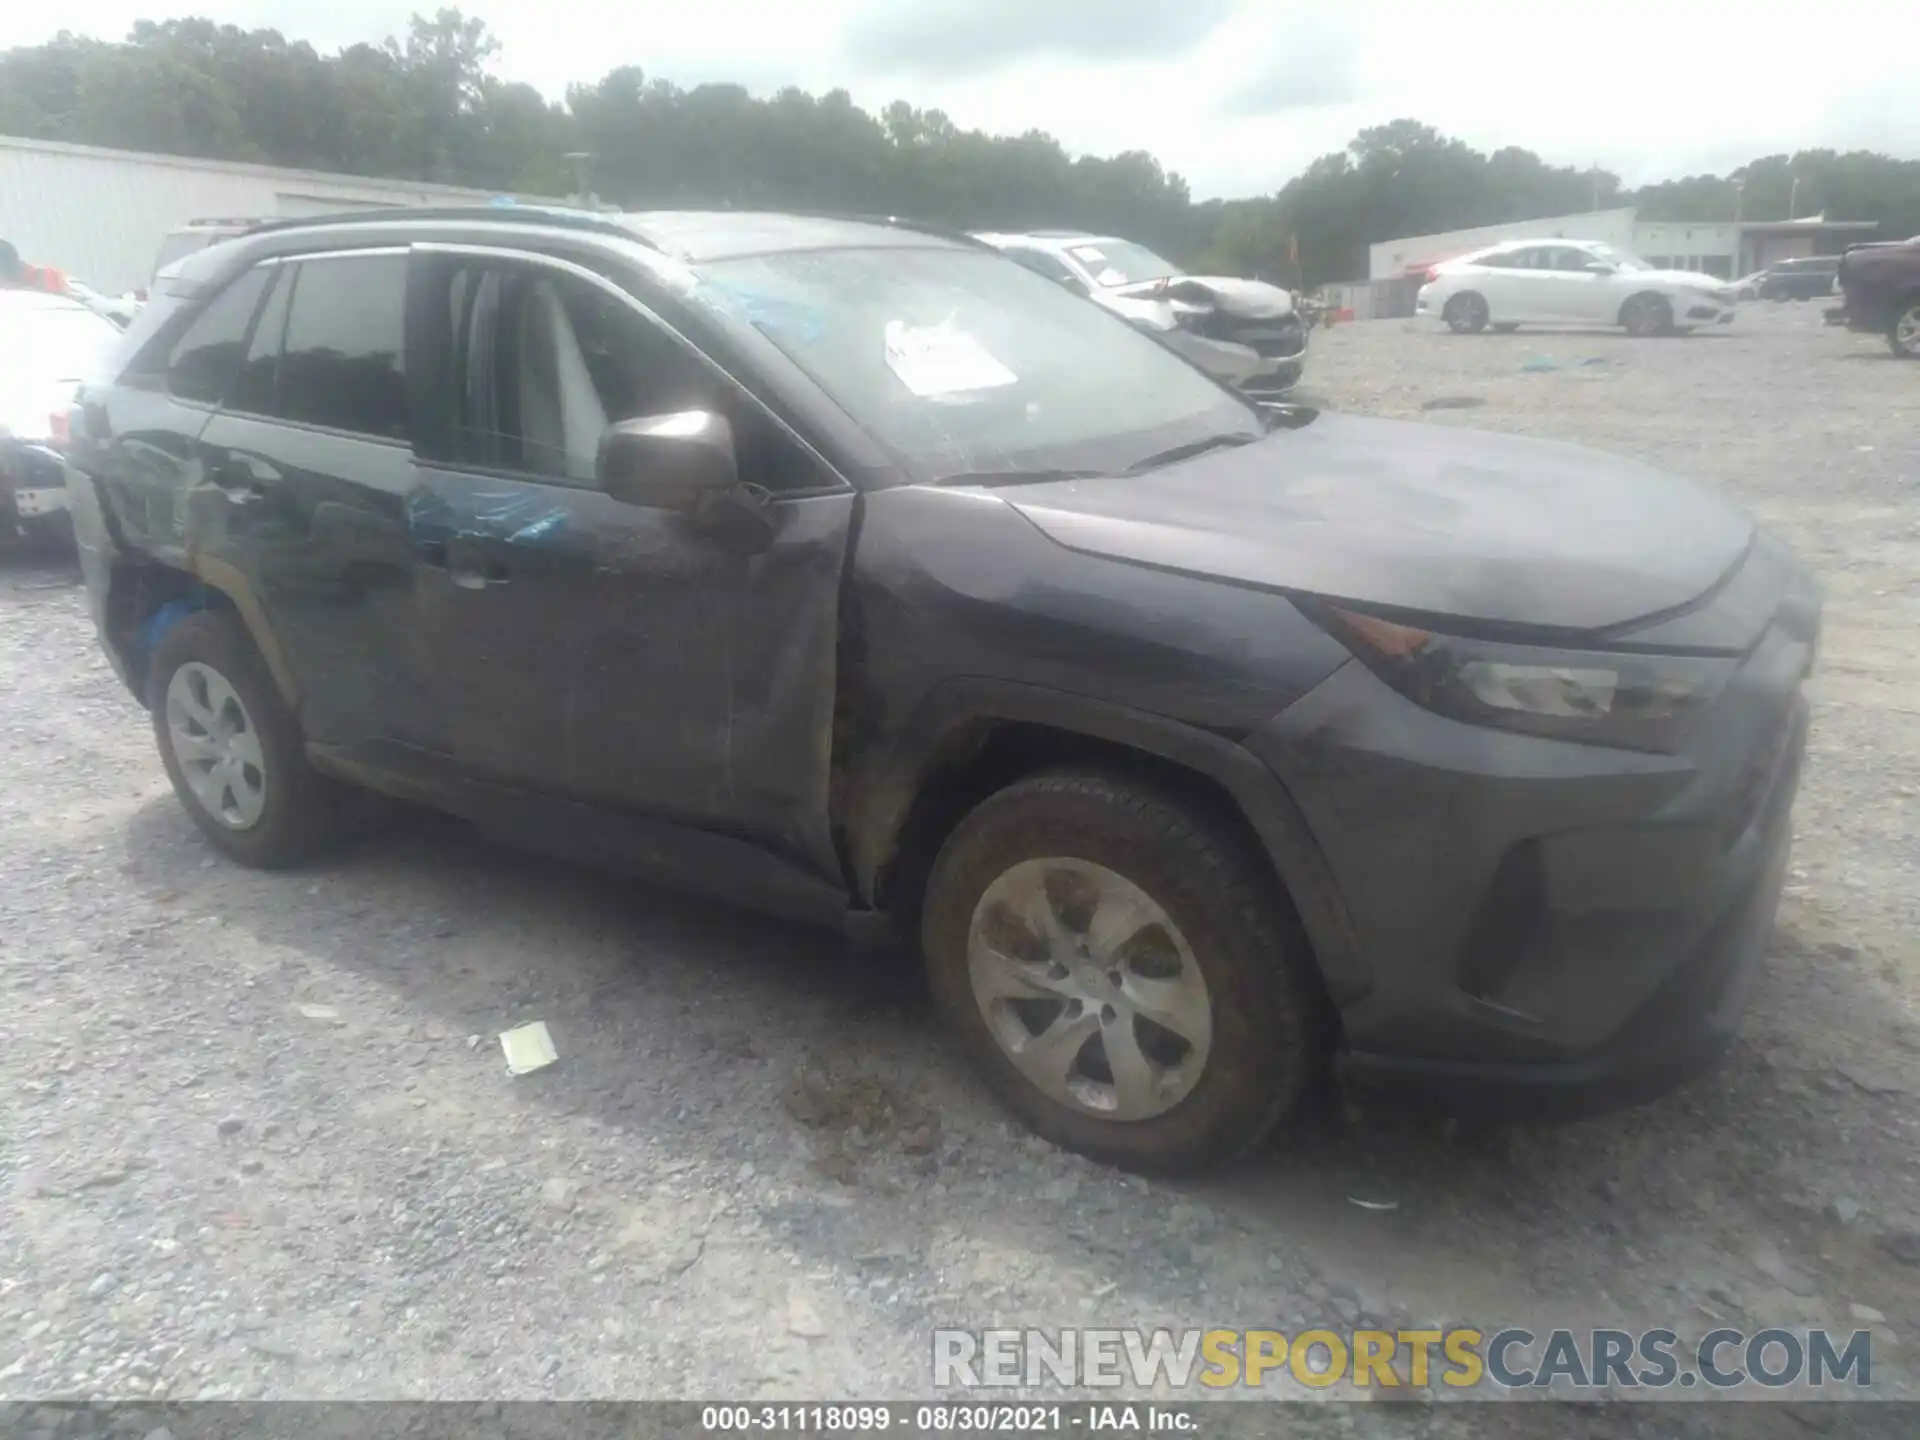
x=1570, y=282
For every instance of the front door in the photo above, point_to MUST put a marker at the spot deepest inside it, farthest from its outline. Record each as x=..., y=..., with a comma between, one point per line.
x=591, y=649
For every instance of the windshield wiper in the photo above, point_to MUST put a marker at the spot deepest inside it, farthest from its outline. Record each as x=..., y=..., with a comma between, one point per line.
x=1226, y=440
x=992, y=478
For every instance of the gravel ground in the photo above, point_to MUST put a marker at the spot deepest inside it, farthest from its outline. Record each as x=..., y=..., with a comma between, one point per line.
x=256, y=1139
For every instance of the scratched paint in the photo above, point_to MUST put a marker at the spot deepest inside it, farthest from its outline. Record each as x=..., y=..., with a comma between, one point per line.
x=521, y=516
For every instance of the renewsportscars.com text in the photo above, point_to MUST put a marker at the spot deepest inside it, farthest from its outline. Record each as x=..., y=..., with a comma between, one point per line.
x=1511, y=1359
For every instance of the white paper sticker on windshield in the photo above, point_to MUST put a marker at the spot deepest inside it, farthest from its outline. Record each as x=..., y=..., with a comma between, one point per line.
x=941, y=360
x=1090, y=254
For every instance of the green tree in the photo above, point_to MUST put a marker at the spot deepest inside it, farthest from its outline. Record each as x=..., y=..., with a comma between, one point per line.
x=427, y=105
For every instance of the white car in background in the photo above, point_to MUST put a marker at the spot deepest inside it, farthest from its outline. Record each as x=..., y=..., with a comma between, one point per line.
x=1569, y=282
x=49, y=345
x=120, y=309
x=1245, y=332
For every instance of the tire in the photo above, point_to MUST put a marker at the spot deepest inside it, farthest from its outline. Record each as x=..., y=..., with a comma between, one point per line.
x=1505, y=327
x=1053, y=836
x=1646, y=315
x=297, y=809
x=1903, y=331
x=1466, y=313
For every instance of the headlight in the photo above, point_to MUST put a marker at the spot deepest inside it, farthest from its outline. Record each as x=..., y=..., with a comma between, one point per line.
x=1644, y=702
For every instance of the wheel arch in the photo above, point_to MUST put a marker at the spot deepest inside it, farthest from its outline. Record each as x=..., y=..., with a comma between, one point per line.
x=1620, y=315
x=147, y=597
x=971, y=738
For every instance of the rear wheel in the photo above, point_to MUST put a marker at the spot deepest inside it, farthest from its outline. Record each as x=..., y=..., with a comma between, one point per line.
x=1647, y=315
x=1118, y=974
x=232, y=748
x=1466, y=313
x=1903, y=335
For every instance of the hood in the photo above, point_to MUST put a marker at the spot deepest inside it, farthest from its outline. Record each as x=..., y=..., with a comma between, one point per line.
x=1250, y=299
x=1428, y=518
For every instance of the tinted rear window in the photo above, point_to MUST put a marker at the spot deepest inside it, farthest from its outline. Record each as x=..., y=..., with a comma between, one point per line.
x=202, y=363
x=340, y=366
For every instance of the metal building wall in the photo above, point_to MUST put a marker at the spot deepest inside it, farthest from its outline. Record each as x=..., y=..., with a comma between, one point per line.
x=99, y=215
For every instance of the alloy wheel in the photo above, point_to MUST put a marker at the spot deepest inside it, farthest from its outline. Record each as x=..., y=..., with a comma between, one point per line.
x=1089, y=989
x=216, y=745
x=1906, y=332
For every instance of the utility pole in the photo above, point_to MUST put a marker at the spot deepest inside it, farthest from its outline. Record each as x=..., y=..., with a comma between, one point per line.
x=1793, y=199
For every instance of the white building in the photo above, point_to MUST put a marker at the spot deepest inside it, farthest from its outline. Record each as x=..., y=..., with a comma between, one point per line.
x=1718, y=248
x=99, y=215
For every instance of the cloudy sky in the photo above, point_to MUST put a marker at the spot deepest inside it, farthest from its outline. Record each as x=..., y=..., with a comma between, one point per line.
x=1237, y=95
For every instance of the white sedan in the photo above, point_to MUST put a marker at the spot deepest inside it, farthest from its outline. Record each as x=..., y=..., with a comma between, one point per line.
x=49, y=344
x=1569, y=282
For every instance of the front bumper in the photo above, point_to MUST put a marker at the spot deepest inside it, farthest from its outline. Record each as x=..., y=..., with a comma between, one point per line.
x=1263, y=355
x=1548, y=929
x=1702, y=310
x=33, y=487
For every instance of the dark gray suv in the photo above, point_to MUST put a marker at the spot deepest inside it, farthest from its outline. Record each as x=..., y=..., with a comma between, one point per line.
x=854, y=571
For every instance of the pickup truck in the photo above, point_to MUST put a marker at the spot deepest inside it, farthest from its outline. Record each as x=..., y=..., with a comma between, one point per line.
x=1881, y=283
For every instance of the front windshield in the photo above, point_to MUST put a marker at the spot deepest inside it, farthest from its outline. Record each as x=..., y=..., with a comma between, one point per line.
x=965, y=363
x=1619, y=258
x=1121, y=262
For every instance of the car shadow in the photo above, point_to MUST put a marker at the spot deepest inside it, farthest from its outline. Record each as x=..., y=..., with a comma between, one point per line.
x=666, y=1007
x=27, y=565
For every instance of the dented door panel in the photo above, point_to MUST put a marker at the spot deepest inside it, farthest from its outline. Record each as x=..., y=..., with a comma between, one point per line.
x=314, y=522
x=589, y=648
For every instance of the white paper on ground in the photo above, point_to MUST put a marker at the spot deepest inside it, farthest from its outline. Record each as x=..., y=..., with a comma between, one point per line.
x=528, y=1047
x=933, y=360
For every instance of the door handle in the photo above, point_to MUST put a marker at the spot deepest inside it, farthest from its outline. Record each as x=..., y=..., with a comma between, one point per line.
x=243, y=477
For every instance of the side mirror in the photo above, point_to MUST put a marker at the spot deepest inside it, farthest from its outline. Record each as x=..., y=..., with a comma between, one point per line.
x=1597, y=267
x=1076, y=284
x=681, y=461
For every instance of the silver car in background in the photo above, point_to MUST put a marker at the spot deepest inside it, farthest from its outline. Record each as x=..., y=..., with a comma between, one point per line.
x=1245, y=332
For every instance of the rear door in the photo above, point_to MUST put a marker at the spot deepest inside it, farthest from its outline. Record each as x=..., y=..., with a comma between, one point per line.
x=1506, y=279
x=305, y=472
x=142, y=431
x=584, y=647
x=1579, y=294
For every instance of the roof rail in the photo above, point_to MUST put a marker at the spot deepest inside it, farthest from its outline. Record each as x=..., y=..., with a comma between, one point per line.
x=585, y=220
x=511, y=214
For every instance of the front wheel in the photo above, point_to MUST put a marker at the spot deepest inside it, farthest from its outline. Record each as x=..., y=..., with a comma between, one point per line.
x=1904, y=334
x=1466, y=313
x=1117, y=973
x=1646, y=315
